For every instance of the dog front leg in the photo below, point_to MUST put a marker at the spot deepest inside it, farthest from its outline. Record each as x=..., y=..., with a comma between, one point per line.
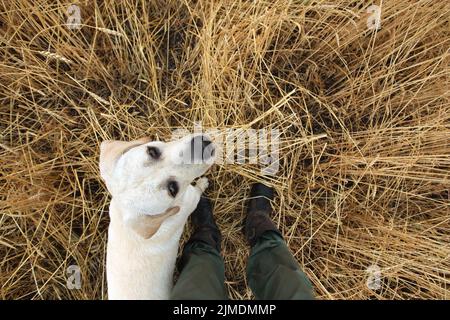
x=202, y=184
x=193, y=194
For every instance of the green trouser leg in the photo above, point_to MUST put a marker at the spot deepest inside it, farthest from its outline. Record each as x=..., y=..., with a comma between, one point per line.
x=273, y=273
x=202, y=275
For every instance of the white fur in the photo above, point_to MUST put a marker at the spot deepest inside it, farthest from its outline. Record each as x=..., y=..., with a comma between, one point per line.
x=139, y=268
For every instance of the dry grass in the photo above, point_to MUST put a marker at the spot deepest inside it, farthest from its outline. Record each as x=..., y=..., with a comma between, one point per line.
x=375, y=190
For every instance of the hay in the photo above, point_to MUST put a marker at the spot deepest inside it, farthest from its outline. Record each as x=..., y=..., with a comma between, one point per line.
x=371, y=189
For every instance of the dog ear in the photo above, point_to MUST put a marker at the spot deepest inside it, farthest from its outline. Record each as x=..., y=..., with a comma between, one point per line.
x=110, y=151
x=147, y=226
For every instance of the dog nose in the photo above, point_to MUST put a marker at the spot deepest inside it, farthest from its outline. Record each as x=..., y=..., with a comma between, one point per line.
x=202, y=147
x=205, y=143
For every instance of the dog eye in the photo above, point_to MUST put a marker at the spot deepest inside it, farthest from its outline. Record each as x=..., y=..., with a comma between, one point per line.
x=153, y=152
x=172, y=186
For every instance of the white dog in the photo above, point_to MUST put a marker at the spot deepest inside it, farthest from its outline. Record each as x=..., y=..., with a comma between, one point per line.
x=152, y=197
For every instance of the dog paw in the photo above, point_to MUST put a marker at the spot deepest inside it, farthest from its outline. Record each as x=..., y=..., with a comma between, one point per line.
x=202, y=184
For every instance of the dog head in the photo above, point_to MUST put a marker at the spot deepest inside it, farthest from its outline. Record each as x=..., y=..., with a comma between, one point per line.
x=148, y=178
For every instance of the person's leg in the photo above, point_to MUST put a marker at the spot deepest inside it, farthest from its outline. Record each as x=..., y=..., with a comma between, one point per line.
x=202, y=274
x=272, y=271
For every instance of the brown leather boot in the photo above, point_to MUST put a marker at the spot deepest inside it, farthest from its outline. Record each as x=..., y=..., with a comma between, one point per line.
x=259, y=209
x=205, y=228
